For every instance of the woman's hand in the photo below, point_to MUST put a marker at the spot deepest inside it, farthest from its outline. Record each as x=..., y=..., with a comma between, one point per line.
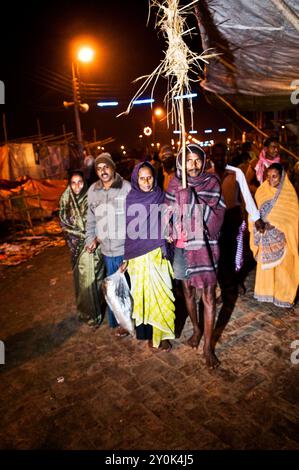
x=92, y=247
x=123, y=266
x=260, y=225
x=268, y=226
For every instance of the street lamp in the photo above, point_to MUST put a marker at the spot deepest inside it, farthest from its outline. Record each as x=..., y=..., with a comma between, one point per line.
x=85, y=54
x=157, y=113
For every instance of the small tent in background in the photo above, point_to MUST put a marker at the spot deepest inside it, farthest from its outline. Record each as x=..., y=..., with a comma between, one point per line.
x=25, y=159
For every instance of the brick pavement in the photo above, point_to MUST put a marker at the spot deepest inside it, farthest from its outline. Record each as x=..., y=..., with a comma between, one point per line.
x=116, y=394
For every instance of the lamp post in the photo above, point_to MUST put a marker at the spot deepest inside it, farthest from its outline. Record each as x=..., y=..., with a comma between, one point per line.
x=85, y=54
x=157, y=113
x=77, y=102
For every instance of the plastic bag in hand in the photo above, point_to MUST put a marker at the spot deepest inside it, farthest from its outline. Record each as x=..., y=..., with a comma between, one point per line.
x=119, y=299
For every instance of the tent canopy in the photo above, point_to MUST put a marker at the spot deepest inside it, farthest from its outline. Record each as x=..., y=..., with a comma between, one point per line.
x=258, y=42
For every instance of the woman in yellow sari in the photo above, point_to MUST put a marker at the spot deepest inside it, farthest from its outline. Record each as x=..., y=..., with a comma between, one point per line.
x=148, y=264
x=276, y=248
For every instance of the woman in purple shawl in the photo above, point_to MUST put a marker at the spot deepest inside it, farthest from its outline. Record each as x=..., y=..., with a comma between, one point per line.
x=145, y=251
x=197, y=213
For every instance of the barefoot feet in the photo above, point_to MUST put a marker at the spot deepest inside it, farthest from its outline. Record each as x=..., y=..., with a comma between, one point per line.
x=165, y=345
x=212, y=361
x=194, y=340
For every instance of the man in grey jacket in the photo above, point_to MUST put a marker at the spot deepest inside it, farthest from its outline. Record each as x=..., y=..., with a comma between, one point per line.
x=106, y=219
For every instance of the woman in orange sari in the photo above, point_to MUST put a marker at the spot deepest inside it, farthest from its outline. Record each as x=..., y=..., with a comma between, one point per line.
x=276, y=248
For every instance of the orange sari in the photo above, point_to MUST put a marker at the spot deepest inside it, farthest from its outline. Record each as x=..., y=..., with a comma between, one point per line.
x=277, y=282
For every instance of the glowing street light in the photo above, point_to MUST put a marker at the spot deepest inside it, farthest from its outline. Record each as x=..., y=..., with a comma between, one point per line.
x=85, y=54
x=157, y=113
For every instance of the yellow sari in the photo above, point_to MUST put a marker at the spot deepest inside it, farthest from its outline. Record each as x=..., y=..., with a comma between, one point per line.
x=151, y=286
x=277, y=282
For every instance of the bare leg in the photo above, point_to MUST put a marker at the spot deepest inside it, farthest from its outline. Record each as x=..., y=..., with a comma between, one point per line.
x=190, y=300
x=209, y=300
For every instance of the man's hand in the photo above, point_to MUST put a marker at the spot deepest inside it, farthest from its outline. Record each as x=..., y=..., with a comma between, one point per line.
x=91, y=248
x=260, y=225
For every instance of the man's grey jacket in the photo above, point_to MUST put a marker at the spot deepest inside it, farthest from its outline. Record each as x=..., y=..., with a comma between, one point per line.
x=106, y=217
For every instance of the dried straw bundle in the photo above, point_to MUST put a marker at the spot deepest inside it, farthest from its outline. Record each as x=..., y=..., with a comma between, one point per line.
x=178, y=63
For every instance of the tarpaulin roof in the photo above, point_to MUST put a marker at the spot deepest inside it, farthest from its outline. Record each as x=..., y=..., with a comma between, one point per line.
x=258, y=42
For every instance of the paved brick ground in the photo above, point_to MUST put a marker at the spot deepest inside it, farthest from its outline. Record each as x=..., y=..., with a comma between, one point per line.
x=116, y=394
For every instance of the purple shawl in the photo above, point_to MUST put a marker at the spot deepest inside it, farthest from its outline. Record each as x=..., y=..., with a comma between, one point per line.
x=143, y=224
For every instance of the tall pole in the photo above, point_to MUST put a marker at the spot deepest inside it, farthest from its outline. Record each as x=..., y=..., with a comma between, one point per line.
x=4, y=128
x=154, y=126
x=76, y=98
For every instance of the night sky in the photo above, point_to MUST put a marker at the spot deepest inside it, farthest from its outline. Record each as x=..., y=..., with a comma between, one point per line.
x=36, y=45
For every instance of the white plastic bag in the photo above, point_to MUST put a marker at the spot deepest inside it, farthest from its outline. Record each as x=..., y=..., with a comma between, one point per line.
x=119, y=299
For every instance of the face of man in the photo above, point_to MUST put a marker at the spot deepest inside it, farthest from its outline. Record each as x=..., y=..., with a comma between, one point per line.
x=273, y=177
x=219, y=158
x=77, y=184
x=272, y=150
x=193, y=164
x=106, y=174
x=145, y=179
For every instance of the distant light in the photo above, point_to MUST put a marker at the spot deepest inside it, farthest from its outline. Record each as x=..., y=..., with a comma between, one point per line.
x=85, y=54
x=99, y=147
x=107, y=103
x=222, y=129
x=124, y=152
x=152, y=145
x=208, y=131
x=282, y=127
x=158, y=144
x=228, y=140
x=140, y=136
x=122, y=147
x=147, y=131
x=145, y=101
x=192, y=132
x=172, y=142
x=176, y=132
x=190, y=95
x=103, y=148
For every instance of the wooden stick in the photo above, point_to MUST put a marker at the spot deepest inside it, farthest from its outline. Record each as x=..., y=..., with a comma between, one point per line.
x=183, y=142
x=253, y=125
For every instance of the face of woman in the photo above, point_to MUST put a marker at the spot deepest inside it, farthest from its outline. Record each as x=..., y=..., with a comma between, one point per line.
x=145, y=179
x=273, y=177
x=77, y=184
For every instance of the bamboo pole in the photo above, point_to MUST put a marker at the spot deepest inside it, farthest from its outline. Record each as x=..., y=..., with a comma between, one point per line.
x=253, y=125
x=183, y=142
x=287, y=12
